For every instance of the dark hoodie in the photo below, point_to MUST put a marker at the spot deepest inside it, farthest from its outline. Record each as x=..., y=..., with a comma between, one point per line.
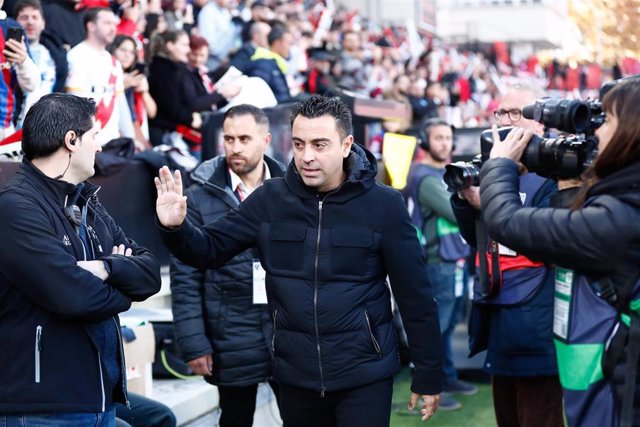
x=327, y=260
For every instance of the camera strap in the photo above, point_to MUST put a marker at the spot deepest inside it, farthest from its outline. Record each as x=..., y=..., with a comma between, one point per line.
x=490, y=284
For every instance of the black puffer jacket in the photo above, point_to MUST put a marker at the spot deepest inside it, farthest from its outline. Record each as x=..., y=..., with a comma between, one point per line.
x=601, y=239
x=213, y=310
x=327, y=259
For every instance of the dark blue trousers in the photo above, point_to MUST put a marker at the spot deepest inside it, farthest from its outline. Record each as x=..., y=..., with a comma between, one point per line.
x=365, y=406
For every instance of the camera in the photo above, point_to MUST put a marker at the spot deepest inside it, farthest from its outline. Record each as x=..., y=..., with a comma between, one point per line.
x=565, y=157
x=556, y=158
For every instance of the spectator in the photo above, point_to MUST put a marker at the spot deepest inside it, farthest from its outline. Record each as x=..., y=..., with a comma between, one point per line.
x=215, y=25
x=260, y=12
x=202, y=94
x=398, y=93
x=47, y=52
x=319, y=80
x=64, y=20
x=168, y=80
x=422, y=107
x=179, y=16
x=233, y=353
x=136, y=86
x=353, y=72
x=19, y=72
x=270, y=65
x=259, y=37
x=94, y=73
x=64, y=313
x=328, y=236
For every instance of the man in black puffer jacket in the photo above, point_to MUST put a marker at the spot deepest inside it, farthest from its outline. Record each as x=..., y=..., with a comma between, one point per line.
x=328, y=235
x=221, y=330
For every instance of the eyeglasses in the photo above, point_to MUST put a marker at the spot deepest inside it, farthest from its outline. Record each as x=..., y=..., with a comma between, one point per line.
x=514, y=114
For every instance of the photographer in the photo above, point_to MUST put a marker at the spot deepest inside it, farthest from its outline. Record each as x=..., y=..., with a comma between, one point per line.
x=513, y=321
x=599, y=254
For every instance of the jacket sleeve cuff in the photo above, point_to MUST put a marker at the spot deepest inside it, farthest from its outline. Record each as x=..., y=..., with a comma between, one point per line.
x=427, y=381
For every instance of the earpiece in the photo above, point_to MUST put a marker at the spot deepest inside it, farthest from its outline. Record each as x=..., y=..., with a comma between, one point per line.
x=72, y=141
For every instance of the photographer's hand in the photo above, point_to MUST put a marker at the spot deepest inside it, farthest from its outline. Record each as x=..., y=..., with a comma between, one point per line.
x=564, y=184
x=471, y=195
x=513, y=145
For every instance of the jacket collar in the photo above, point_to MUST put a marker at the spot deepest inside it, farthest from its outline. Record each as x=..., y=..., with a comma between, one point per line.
x=212, y=174
x=57, y=189
x=361, y=168
x=623, y=181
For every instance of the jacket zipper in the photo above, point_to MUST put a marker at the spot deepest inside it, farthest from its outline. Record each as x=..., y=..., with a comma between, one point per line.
x=376, y=346
x=273, y=338
x=315, y=298
x=38, y=349
x=123, y=367
x=101, y=381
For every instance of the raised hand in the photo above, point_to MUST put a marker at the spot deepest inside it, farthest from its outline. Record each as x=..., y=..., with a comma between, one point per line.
x=171, y=205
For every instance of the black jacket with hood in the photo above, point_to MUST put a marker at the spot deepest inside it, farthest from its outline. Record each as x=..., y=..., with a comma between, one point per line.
x=597, y=241
x=327, y=259
x=213, y=310
x=49, y=305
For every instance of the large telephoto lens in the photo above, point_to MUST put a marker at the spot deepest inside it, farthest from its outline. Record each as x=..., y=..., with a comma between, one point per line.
x=461, y=175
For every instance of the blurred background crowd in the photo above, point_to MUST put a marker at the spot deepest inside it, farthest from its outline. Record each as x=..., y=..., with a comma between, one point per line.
x=184, y=59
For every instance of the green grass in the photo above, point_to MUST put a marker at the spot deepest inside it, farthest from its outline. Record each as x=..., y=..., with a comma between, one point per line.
x=476, y=411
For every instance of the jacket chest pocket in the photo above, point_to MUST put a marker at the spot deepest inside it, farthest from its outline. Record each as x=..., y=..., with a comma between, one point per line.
x=285, y=247
x=350, y=250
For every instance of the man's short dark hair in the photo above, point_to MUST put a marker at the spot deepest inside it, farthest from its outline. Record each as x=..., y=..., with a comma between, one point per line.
x=277, y=32
x=23, y=4
x=91, y=15
x=49, y=120
x=318, y=106
x=248, y=110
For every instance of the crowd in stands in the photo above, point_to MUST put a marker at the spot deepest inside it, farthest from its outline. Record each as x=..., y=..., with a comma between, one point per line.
x=157, y=68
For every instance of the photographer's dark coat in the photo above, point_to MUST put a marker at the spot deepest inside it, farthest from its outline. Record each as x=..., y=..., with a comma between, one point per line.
x=598, y=243
x=327, y=258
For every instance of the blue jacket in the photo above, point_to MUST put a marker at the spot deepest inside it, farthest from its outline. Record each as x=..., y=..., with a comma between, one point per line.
x=264, y=64
x=514, y=327
x=213, y=310
x=327, y=259
x=48, y=304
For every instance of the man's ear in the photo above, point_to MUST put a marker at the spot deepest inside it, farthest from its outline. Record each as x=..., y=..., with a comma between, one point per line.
x=346, y=146
x=70, y=140
x=267, y=140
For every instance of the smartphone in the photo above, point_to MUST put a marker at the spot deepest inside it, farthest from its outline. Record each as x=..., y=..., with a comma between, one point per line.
x=14, y=33
x=140, y=68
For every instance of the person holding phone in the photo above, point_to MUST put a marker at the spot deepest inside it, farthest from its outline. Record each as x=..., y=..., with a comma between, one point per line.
x=136, y=86
x=23, y=71
x=47, y=52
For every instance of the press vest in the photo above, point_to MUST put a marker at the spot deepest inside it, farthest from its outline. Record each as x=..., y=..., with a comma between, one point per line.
x=521, y=278
x=584, y=326
x=451, y=245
